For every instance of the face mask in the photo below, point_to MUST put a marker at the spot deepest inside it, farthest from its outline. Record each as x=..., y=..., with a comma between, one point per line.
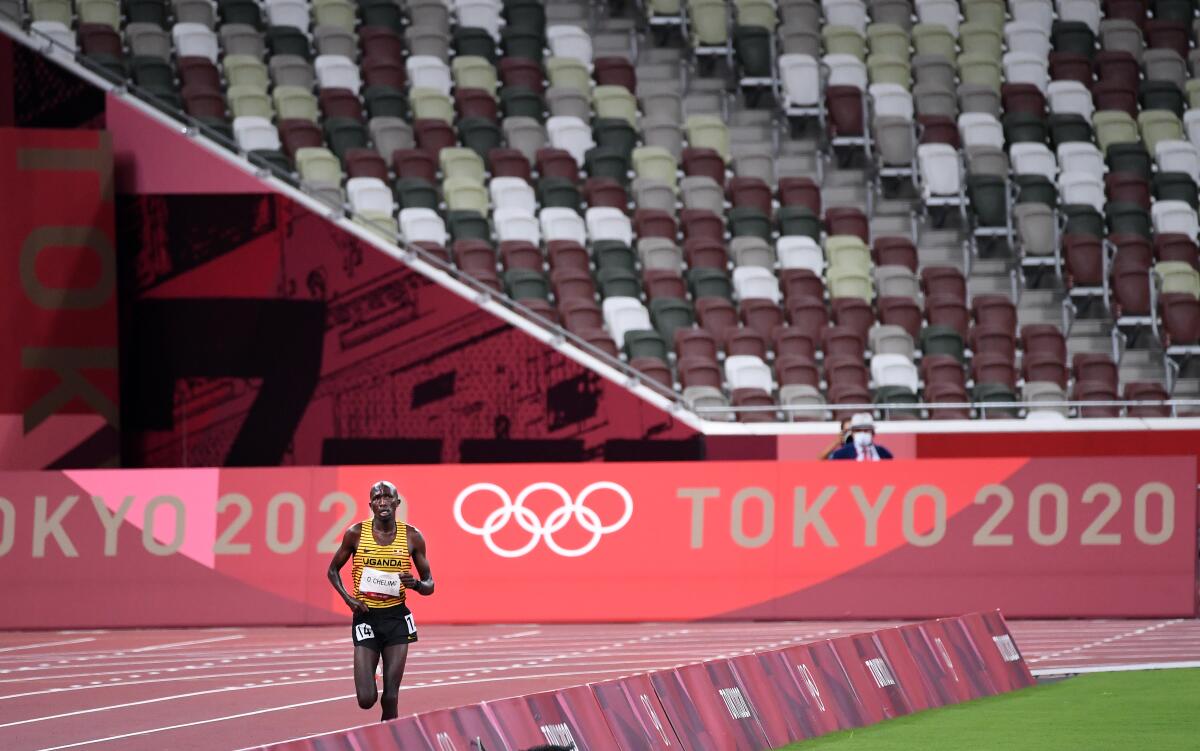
x=862, y=439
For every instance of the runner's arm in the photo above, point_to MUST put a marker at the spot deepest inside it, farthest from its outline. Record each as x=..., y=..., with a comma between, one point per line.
x=416, y=547
x=344, y=552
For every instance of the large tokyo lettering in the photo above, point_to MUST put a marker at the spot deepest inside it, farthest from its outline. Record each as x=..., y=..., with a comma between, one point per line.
x=1051, y=516
x=286, y=517
x=58, y=242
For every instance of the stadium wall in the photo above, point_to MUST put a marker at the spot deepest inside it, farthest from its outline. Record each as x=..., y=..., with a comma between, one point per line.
x=1114, y=537
x=254, y=332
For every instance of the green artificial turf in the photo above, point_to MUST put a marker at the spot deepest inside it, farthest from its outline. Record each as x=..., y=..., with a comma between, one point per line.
x=1154, y=710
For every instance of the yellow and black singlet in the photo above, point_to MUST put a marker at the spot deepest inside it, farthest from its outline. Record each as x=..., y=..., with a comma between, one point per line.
x=377, y=568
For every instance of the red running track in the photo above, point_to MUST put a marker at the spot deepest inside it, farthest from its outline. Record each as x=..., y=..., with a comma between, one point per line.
x=238, y=688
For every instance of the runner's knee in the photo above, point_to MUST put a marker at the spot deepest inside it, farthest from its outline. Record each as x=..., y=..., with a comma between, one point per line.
x=366, y=700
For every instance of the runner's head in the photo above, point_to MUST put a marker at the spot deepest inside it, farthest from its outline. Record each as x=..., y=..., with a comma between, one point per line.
x=384, y=499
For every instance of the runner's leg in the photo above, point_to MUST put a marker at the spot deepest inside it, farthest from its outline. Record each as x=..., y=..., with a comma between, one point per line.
x=365, y=662
x=394, y=657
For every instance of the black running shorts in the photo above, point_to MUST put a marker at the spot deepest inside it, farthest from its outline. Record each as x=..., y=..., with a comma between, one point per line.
x=383, y=627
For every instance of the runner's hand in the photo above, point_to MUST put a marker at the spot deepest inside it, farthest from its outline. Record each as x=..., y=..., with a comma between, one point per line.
x=357, y=606
x=408, y=580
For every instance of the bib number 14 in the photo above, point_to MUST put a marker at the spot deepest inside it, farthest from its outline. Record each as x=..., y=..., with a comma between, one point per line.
x=412, y=625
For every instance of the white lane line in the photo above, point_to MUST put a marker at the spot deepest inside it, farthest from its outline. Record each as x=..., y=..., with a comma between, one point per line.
x=173, y=679
x=189, y=672
x=186, y=643
x=157, y=699
x=341, y=697
x=47, y=644
x=182, y=675
x=639, y=651
x=1117, y=668
x=310, y=735
x=197, y=722
x=341, y=665
x=12, y=664
x=125, y=705
x=1110, y=639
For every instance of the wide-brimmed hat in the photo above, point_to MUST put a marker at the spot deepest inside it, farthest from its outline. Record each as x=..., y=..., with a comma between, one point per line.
x=862, y=420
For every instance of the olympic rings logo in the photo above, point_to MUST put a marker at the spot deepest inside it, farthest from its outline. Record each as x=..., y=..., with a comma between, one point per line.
x=572, y=508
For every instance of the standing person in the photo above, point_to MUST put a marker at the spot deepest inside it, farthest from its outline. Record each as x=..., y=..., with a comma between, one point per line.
x=862, y=446
x=384, y=552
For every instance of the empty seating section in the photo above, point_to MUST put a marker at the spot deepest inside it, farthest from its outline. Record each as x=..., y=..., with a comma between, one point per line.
x=755, y=203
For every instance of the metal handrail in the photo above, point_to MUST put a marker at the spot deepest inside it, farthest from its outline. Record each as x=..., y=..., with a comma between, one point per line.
x=933, y=407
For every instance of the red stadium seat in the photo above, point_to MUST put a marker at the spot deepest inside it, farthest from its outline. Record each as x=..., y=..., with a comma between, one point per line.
x=567, y=254
x=701, y=224
x=698, y=162
x=518, y=254
x=365, y=163
x=843, y=341
x=475, y=103
x=695, y=342
x=744, y=341
x=378, y=71
x=797, y=369
x=509, y=163
x=579, y=315
x=750, y=397
x=800, y=191
x=607, y=192
x=614, y=71
x=716, y=314
x=557, y=163
x=801, y=283
x=380, y=43
x=663, y=283
x=703, y=253
x=520, y=71
x=853, y=313
x=762, y=316
x=900, y=311
x=750, y=192
x=895, y=251
x=808, y=314
x=573, y=284
x=789, y=340
x=414, y=163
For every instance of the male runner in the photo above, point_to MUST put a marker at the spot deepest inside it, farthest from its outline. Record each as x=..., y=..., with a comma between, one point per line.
x=384, y=552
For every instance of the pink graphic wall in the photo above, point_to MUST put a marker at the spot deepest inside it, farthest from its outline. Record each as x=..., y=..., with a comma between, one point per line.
x=906, y=539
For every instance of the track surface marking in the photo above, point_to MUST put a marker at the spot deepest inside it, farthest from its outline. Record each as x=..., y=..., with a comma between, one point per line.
x=237, y=688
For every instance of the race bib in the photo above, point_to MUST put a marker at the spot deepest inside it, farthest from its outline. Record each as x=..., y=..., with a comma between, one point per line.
x=376, y=582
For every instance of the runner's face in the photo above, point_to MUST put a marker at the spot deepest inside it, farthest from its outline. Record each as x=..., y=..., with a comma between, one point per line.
x=383, y=505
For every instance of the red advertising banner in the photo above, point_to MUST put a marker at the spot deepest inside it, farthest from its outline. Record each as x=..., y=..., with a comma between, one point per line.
x=635, y=714
x=467, y=727
x=707, y=695
x=538, y=719
x=58, y=378
x=782, y=714
x=756, y=701
x=633, y=542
